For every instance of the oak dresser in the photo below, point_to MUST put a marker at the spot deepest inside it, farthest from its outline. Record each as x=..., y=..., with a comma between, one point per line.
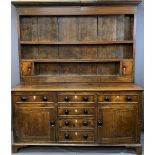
x=77, y=64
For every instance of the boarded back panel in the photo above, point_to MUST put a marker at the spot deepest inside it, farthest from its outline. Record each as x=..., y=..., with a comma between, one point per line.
x=48, y=52
x=109, y=68
x=29, y=52
x=87, y=28
x=88, y=52
x=68, y=52
x=88, y=69
x=107, y=28
x=46, y=68
x=28, y=29
x=128, y=28
x=120, y=27
x=47, y=29
x=69, y=68
x=68, y=28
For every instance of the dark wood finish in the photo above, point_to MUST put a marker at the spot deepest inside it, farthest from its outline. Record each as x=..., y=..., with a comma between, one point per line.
x=77, y=72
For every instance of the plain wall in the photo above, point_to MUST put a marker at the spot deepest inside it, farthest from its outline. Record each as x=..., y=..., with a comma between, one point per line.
x=15, y=79
x=139, y=63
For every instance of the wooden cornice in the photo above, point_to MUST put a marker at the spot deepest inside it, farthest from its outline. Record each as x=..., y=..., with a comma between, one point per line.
x=73, y=2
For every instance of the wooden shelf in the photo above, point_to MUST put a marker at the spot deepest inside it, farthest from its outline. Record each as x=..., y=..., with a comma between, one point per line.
x=99, y=42
x=75, y=60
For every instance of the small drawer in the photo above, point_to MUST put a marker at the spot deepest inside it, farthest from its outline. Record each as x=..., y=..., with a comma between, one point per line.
x=77, y=136
x=118, y=98
x=33, y=98
x=66, y=111
x=77, y=105
x=66, y=123
x=75, y=98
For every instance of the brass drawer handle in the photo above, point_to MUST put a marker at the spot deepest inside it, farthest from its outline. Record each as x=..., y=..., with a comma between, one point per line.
x=23, y=98
x=45, y=98
x=66, y=98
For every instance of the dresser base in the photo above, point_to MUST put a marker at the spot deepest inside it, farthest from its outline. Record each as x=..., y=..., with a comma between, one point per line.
x=136, y=147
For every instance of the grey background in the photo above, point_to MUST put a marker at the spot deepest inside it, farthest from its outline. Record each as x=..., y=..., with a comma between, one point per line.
x=139, y=63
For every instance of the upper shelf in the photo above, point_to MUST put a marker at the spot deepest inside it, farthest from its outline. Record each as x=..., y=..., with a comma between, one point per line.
x=75, y=2
x=76, y=42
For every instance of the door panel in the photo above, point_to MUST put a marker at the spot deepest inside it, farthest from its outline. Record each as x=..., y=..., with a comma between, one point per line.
x=33, y=124
x=118, y=123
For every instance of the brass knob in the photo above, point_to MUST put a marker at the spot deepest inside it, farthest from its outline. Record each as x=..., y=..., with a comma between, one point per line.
x=100, y=123
x=129, y=98
x=66, y=136
x=85, y=111
x=85, y=98
x=52, y=122
x=85, y=136
x=29, y=68
x=23, y=98
x=45, y=98
x=66, y=111
x=66, y=98
x=124, y=69
x=85, y=123
x=66, y=123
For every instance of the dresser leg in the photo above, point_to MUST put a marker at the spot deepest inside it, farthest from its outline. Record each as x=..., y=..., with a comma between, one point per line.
x=15, y=148
x=138, y=150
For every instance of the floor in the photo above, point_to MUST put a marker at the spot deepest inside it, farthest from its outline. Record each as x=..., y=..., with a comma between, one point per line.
x=77, y=150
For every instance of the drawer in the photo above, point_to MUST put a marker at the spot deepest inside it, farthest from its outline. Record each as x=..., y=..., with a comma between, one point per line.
x=75, y=98
x=118, y=98
x=77, y=105
x=76, y=111
x=77, y=136
x=33, y=98
x=71, y=123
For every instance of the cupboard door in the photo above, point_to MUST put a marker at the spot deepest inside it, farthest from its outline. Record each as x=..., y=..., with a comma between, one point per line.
x=34, y=124
x=117, y=124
